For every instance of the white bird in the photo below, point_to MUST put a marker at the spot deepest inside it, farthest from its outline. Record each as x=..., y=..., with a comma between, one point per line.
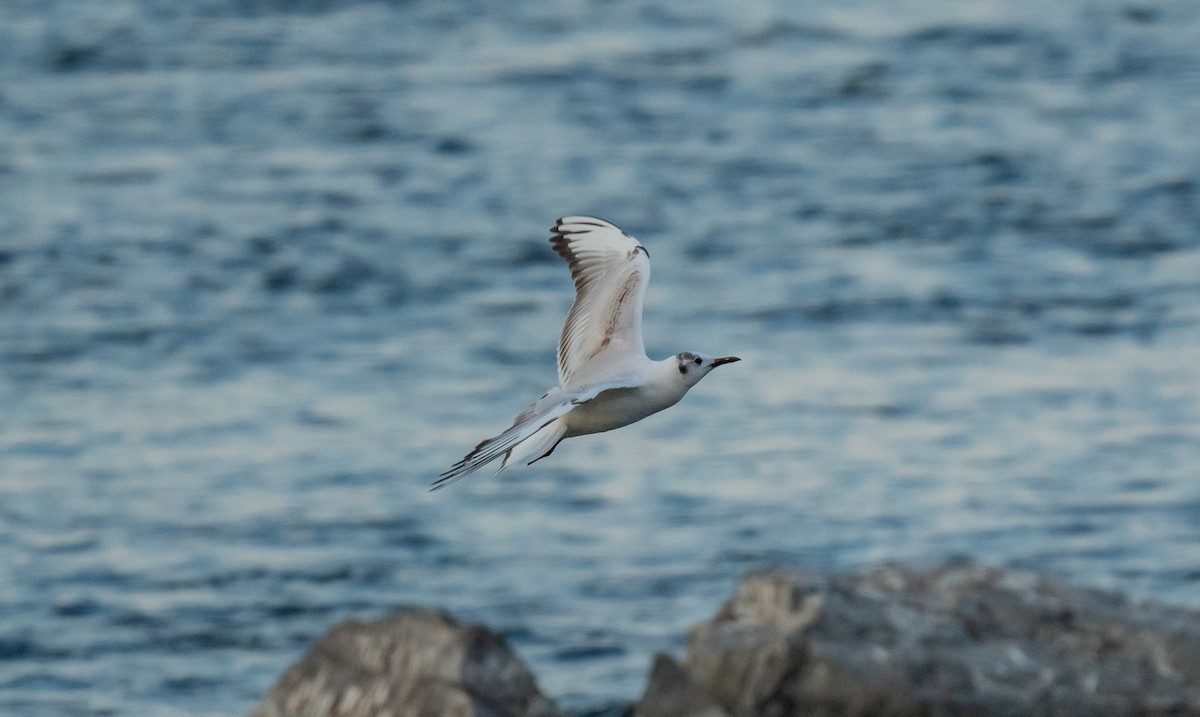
x=605, y=380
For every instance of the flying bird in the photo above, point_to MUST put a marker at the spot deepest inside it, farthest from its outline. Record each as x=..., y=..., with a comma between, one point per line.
x=605, y=380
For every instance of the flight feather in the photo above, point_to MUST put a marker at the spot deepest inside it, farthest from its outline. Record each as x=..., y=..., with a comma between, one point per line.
x=610, y=270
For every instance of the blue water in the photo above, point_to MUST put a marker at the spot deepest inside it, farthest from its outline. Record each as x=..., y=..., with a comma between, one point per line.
x=269, y=266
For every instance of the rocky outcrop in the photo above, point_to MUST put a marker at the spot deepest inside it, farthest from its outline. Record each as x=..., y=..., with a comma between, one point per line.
x=418, y=663
x=670, y=691
x=959, y=639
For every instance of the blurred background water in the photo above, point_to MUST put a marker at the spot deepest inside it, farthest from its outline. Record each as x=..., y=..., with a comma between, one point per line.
x=268, y=266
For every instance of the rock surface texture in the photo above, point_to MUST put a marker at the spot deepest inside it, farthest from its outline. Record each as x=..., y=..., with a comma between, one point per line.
x=418, y=663
x=959, y=639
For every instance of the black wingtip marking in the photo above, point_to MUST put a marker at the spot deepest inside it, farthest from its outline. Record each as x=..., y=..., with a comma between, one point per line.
x=561, y=245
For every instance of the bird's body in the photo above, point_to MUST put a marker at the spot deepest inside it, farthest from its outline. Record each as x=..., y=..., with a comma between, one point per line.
x=659, y=386
x=606, y=381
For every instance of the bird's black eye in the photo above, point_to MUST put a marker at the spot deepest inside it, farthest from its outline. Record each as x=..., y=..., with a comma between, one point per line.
x=696, y=360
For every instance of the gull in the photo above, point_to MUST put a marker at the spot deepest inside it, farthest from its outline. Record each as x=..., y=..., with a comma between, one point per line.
x=605, y=379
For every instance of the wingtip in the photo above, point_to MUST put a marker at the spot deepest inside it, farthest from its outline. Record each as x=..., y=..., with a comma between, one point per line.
x=586, y=220
x=566, y=227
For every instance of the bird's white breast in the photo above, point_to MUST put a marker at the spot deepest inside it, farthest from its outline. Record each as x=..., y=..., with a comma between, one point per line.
x=620, y=407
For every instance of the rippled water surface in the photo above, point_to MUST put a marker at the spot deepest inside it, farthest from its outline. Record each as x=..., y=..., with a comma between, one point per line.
x=268, y=266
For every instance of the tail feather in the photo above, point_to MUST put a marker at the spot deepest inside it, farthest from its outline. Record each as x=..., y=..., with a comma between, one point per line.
x=537, y=446
x=540, y=426
x=528, y=424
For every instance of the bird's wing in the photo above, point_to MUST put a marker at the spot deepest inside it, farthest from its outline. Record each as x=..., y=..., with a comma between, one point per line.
x=610, y=270
x=558, y=402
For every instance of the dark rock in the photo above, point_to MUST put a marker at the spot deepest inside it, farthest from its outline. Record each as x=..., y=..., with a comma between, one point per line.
x=671, y=692
x=959, y=639
x=417, y=663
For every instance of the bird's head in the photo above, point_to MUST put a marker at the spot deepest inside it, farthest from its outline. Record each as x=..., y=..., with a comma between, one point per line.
x=693, y=366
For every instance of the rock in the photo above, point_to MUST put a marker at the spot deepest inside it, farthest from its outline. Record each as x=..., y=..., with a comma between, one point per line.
x=418, y=663
x=959, y=639
x=670, y=692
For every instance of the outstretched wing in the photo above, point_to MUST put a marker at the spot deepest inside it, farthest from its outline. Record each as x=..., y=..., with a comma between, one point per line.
x=611, y=270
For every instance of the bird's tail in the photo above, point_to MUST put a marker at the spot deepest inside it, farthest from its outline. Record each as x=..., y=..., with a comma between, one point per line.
x=547, y=429
x=533, y=434
x=537, y=446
